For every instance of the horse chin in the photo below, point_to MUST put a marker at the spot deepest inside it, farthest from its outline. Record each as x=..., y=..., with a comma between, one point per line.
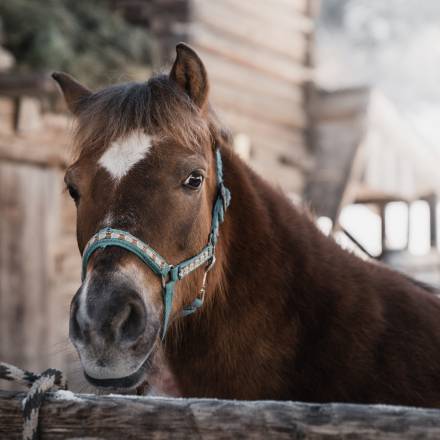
x=135, y=383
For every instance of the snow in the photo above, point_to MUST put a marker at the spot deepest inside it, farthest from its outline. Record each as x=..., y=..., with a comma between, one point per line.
x=67, y=395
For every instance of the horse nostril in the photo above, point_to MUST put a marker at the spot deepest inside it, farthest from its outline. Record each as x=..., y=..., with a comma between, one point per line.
x=75, y=331
x=115, y=317
x=78, y=332
x=133, y=322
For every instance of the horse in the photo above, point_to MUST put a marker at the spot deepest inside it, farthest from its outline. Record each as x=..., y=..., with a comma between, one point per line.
x=199, y=267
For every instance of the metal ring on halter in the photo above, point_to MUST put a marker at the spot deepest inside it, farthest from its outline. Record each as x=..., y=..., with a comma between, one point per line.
x=205, y=275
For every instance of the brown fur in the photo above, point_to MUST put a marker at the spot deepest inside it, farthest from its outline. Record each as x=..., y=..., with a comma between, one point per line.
x=300, y=318
x=289, y=314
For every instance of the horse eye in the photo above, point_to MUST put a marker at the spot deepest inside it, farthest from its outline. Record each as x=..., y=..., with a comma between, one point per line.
x=73, y=192
x=194, y=180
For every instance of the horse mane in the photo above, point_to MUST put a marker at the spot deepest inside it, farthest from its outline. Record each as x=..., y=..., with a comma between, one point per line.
x=157, y=106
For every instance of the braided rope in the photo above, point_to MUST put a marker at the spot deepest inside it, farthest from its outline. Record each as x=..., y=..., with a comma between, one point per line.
x=39, y=385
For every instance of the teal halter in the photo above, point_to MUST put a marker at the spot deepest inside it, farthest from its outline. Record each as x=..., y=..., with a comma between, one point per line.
x=170, y=274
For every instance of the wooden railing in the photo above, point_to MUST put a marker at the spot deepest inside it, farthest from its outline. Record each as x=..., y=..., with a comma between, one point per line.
x=68, y=415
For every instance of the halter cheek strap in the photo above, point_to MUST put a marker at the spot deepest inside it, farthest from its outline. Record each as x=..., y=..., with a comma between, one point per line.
x=169, y=274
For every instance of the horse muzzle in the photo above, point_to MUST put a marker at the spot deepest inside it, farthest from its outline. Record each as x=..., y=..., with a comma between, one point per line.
x=112, y=330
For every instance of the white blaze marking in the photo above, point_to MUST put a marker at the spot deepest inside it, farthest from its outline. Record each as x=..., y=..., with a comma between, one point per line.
x=124, y=153
x=82, y=308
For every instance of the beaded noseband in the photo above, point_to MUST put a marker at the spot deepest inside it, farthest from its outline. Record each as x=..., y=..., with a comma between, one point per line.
x=170, y=274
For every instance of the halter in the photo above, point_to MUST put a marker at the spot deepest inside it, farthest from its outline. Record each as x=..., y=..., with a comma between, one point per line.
x=169, y=274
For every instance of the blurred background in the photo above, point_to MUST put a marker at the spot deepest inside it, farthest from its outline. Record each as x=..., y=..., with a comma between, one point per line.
x=337, y=102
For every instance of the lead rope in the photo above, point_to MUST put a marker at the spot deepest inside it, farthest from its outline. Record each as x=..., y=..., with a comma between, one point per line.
x=39, y=385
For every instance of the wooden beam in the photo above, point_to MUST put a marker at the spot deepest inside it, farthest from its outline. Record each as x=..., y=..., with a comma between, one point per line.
x=245, y=55
x=43, y=148
x=264, y=12
x=232, y=21
x=340, y=104
x=66, y=415
x=227, y=72
x=8, y=112
x=31, y=84
x=339, y=125
x=432, y=201
x=29, y=213
x=278, y=136
x=275, y=111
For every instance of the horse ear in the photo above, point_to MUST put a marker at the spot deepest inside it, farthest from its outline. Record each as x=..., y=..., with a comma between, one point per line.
x=74, y=93
x=189, y=73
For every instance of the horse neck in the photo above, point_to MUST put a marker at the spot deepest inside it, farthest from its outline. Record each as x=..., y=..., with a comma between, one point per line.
x=265, y=237
x=262, y=251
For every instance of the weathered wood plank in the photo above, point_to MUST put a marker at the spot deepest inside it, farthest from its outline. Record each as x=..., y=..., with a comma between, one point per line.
x=338, y=105
x=29, y=116
x=263, y=61
x=45, y=148
x=269, y=165
x=255, y=127
x=232, y=19
x=65, y=415
x=338, y=132
x=28, y=213
x=30, y=84
x=297, y=5
x=226, y=72
x=277, y=111
x=7, y=115
x=290, y=18
x=11, y=220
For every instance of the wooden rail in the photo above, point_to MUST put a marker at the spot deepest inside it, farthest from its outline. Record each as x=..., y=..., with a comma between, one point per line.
x=31, y=84
x=68, y=415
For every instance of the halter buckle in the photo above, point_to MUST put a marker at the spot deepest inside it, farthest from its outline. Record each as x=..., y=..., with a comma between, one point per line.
x=211, y=264
x=202, y=291
x=169, y=276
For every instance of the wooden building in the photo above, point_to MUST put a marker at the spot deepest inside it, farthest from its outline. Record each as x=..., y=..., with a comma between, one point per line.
x=39, y=259
x=366, y=153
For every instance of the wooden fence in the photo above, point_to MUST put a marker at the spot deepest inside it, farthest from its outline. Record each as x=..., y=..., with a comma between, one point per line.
x=68, y=415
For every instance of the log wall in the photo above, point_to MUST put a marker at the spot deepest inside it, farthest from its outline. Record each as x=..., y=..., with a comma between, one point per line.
x=39, y=260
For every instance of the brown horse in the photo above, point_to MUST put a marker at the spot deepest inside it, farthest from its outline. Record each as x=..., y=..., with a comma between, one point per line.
x=288, y=314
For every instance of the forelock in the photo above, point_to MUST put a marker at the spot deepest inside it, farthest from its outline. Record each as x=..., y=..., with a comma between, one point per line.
x=158, y=107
